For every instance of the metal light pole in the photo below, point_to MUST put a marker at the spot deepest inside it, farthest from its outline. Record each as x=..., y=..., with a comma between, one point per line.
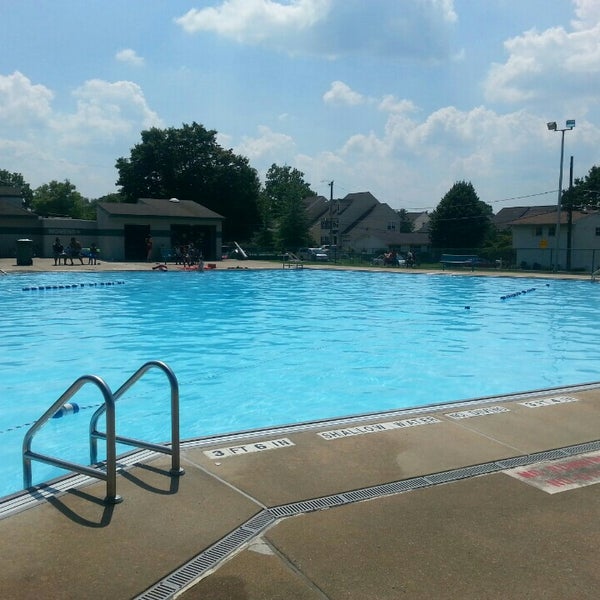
x=553, y=127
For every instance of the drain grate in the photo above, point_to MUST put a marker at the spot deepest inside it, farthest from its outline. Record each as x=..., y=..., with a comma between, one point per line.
x=583, y=448
x=210, y=558
x=297, y=508
x=463, y=473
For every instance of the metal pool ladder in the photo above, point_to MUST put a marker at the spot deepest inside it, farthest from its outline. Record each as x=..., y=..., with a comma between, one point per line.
x=110, y=436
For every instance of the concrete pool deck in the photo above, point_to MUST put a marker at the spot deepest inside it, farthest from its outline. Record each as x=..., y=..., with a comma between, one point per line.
x=427, y=503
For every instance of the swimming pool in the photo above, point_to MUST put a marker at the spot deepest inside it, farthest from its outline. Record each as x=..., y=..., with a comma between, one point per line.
x=263, y=348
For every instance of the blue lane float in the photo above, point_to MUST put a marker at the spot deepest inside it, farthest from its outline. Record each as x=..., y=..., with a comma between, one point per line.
x=515, y=294
x=69, y=286
x=70, y=408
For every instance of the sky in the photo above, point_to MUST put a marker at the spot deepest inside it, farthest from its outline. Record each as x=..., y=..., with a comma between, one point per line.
x=401, y=98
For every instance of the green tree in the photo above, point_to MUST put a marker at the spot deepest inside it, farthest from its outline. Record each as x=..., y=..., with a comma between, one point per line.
x=284, y=186
x=406, y=225
x=188, y=163
x=293, y=227
x=16, y=180
x=282, y=205
x=60, y=199
x=461, y=219
x=585, y=192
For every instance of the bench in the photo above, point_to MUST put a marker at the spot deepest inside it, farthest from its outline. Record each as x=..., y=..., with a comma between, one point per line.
x=459, y=260
x=83, y=253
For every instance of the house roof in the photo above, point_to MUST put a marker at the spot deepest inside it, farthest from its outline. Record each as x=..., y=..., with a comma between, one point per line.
x=160, y=207
x=7, y=191
x=316, y=207
x=513, y=213
x=10, y=207
x=549, y=218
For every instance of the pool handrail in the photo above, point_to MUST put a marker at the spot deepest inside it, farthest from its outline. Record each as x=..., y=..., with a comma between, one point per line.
x=110, y=474
x=173, y=450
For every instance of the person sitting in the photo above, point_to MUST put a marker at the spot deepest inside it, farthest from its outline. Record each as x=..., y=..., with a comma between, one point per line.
x=57, y=251
x=390, y=258
x=74, y=250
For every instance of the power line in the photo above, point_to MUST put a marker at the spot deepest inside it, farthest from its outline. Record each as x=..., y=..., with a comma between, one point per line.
x=522, y=197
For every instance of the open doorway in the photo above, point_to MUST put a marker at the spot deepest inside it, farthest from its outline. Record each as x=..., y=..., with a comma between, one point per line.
x=135, y=242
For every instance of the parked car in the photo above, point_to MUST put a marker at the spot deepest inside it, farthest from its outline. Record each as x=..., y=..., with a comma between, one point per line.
x=316, y=254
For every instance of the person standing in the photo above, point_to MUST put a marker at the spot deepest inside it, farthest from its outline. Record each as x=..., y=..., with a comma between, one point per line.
x=148, y=248
x=93, y=256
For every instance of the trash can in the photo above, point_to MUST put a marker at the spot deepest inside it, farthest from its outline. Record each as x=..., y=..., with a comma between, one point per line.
x=24, y=252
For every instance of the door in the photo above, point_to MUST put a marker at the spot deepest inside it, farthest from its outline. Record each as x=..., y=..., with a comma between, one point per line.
x=135, y=242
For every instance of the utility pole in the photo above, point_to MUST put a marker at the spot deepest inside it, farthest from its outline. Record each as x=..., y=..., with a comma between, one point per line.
x=552, y=126
x=330, y=213
x=570, y=217
x=332, y=242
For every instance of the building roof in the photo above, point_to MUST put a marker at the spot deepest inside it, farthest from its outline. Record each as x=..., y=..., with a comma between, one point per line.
x=8, y=191
x=513, y=213
x=549, y=218
x=10, y=206
x=160, y=207
x=317, y=207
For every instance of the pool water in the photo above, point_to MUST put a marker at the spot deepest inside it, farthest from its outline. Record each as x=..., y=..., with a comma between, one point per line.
x=264, y=348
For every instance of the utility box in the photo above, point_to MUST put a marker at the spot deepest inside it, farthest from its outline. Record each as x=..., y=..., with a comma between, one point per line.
x=24, y=252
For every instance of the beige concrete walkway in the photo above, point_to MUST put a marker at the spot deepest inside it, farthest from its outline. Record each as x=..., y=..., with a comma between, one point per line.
x=8, y=265
x=482, y=536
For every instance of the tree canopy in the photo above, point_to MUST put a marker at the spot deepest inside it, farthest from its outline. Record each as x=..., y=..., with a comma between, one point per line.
x=282, y=205
x=189, y=164
x=16, y=180
x=461, y=219
x=406, y=225
x=585, y=192
x=60, y=199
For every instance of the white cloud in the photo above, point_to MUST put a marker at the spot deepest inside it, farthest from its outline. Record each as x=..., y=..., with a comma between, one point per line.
x=555, y=65
x=268, y=145
x=130, y=57
x=416, y=29
x=44, y=143
x=588, y=14
x=21, y=102
x=341, y=94
x=390, y=104
x=254, y=20
x=106, y=111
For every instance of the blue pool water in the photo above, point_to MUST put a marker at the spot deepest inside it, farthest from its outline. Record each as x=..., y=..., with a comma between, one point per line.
x=262, y=348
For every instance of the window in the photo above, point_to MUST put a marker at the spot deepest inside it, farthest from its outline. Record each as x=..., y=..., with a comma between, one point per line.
x=597, y=230
x=330, y=224
x=391, y=226
x=538, y=231
x=552, y=231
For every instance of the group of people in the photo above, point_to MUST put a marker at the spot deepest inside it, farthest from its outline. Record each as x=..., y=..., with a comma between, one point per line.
x=391, y=258
x=187, y=255
x=73, y=251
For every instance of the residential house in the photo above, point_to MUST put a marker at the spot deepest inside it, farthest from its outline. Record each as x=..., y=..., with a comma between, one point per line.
x=359, y=223
x=535, y=239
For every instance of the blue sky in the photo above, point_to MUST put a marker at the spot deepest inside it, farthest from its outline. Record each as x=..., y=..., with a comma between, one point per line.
x=401, y=98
